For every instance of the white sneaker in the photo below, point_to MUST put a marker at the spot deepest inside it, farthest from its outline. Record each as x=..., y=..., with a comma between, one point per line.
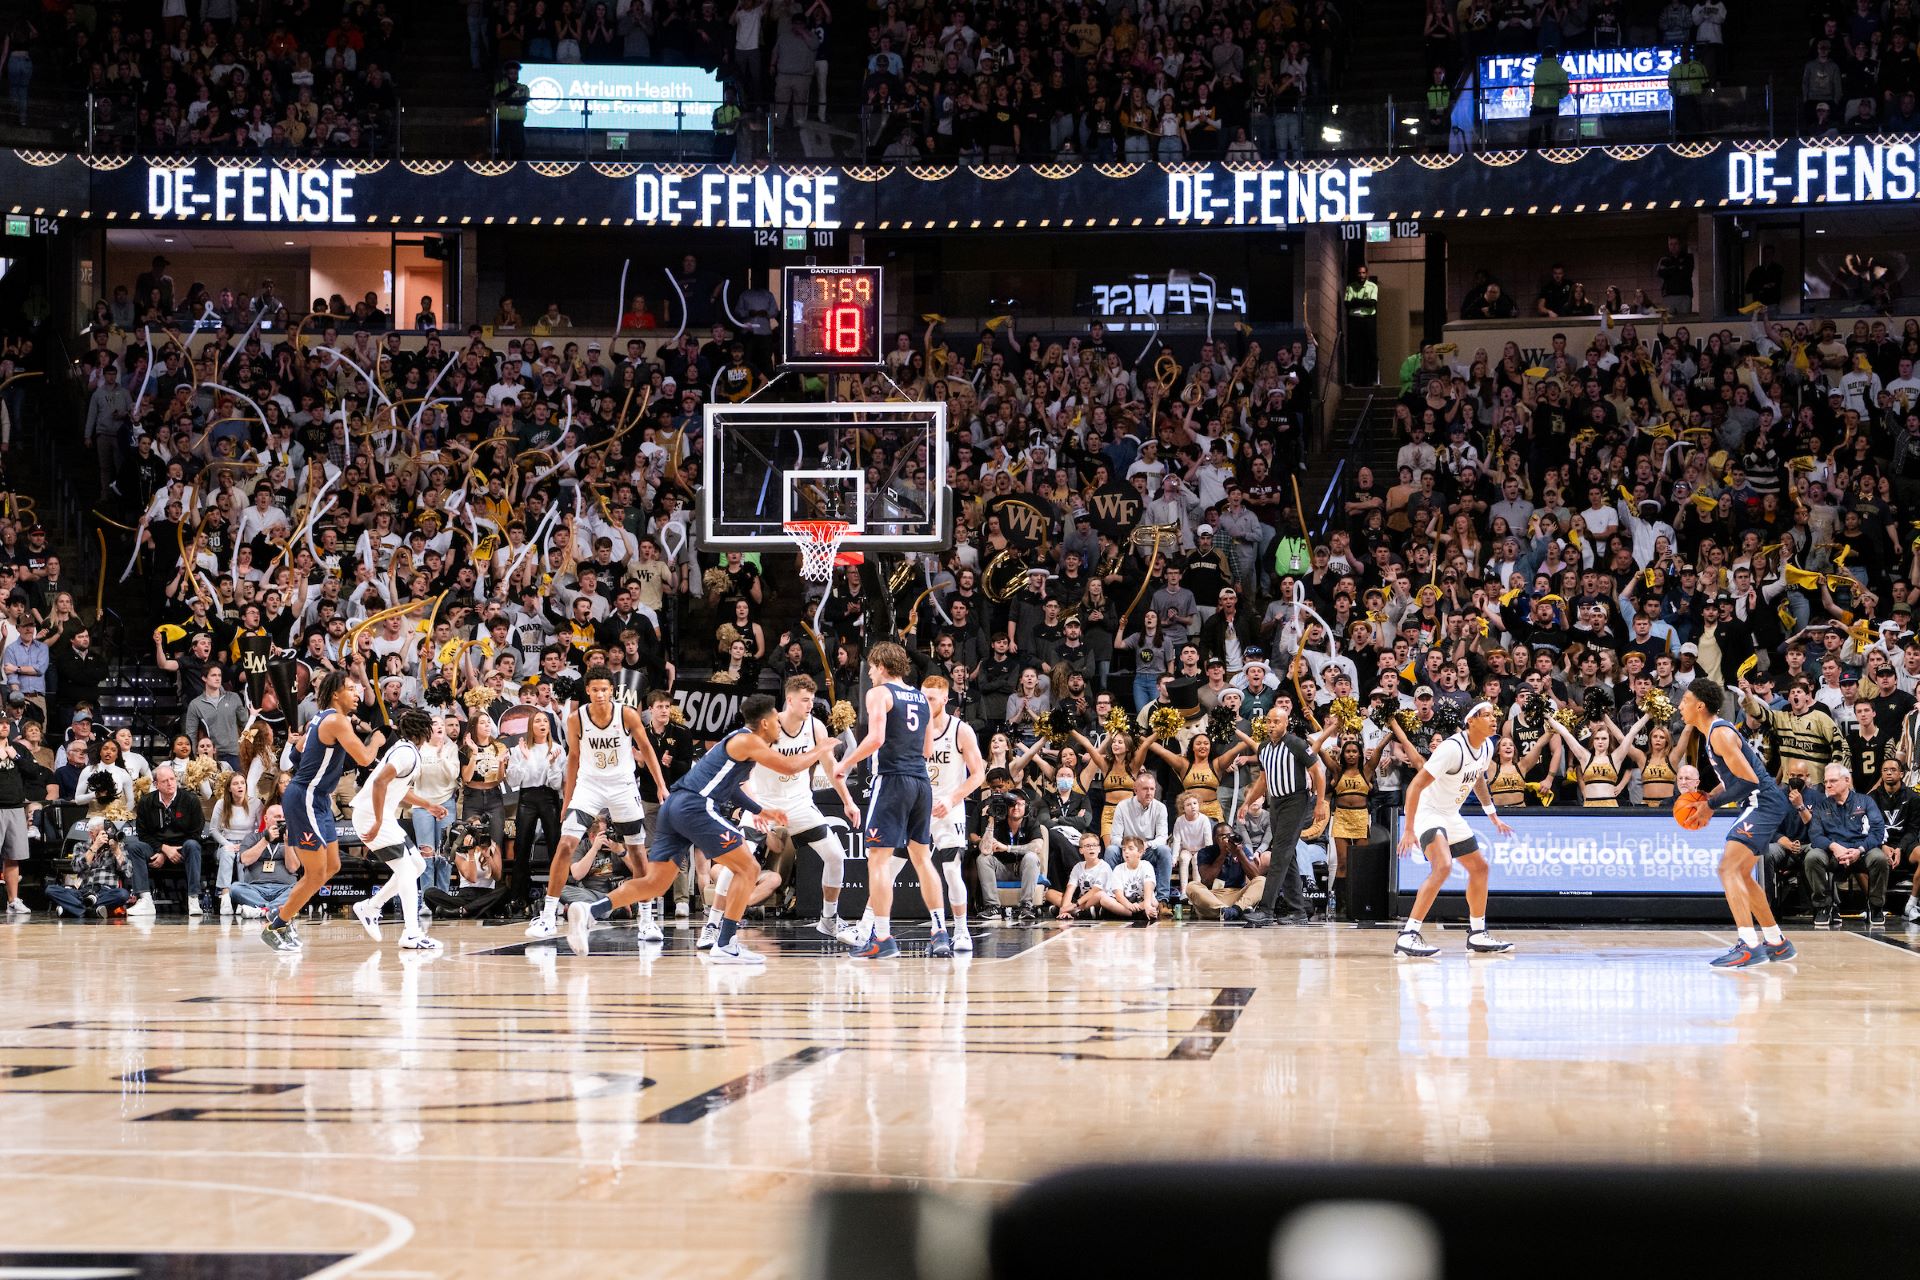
x=226, y=907
x=579, y=925
x=418, y=942
x=709, y=934
x=962, y=940
x=251, y=913
x=1913, y=905
x=369, y=920
x=828, y=926
x=143, y=906
x=18, y=908
x=1411, y=944
x=1481, y=943
x=852, y=934
x=649, y=922
x=194, y=908
x=543, y=927
x=735, y=952
x=681, y=909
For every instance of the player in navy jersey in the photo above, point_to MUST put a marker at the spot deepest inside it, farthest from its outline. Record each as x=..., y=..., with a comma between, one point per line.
x=695, y=814
x=900, y=807
x=308, y=803
x=1743, y=776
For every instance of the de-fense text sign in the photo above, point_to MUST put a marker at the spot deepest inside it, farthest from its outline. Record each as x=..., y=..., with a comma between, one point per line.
x=1423, y=191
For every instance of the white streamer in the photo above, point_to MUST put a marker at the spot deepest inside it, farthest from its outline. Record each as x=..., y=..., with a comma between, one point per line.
x=134, y=559
x=145, y=378
x=427, y=400
x=683, y=308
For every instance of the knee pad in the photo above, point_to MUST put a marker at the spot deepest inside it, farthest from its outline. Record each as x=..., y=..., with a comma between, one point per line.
x=722, y=881
x=833, y=855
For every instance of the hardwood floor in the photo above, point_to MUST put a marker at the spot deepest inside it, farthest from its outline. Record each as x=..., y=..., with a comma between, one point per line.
x=504, y=1107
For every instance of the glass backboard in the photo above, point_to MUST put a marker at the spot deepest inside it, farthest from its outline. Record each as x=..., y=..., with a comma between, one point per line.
x=880, y=467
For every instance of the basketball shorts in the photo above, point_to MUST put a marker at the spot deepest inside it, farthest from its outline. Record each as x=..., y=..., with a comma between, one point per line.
x=1759, y=821
x=802, y=816
x=1460, y=838
x=900, y=811
x=950, y=832
x=310, y=822
x=619, y=801
x=687, y=821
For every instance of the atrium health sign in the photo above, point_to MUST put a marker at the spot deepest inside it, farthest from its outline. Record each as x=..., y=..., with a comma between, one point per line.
x=1602, y=82
x=567, y=95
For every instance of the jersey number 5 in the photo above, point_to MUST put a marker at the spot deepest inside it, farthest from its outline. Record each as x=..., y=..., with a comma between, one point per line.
x=913, y=717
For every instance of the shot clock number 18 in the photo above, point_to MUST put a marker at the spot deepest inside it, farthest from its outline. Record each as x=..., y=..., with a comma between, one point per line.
x=833, y=316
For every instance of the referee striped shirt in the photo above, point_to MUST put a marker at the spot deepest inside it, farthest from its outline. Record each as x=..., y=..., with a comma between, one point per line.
x=1285, y=764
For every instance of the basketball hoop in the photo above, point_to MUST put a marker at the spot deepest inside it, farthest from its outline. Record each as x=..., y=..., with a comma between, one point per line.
x=819, y=541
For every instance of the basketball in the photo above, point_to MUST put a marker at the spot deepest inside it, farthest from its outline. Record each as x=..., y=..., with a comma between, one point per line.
x=1692, y=811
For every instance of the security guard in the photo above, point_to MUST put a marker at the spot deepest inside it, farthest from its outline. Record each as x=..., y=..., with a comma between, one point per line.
x=1362, y=301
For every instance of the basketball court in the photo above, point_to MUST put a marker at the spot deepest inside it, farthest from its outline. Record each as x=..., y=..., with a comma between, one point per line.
x=178, y=1100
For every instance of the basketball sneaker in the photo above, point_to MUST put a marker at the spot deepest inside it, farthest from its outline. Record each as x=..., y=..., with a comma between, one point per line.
x=579, y=926
x=941, y=948
x=418, y=942
x=369, y=919
x=1481, y=943
x=735, y=952
x=542, y=927
x=709, y=934
x=1741, y=956
x=1412, y=945
x=649, y=918
x=878, y=949
x=828, y=926
x=851, y=935
x=962, y=940
x=280, y=936
x=1781, y=950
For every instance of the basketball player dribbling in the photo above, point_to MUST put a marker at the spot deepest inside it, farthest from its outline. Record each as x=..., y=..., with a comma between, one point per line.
x=604, y=739
x=792, y=794
x=1743, y=776
x=900, y=807
x=694, y=815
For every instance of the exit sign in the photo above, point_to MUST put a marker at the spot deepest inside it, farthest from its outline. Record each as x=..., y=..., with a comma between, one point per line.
x=19, y=225
x=793, y=241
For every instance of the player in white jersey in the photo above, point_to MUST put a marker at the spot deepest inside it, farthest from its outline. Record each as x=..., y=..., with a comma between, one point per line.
x=604, y=738
x=1457, y=768
x=956, y=769
x=376, y=816
x=806, y=827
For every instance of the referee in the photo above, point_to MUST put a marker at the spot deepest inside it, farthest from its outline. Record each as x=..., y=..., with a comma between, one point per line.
x=1289, y=774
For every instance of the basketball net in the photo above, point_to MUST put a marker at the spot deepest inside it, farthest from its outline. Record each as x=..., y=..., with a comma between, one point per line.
x=819, y=542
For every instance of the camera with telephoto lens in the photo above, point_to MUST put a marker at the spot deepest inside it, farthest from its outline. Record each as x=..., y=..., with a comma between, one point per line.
x=999, y=805
x=468, y=832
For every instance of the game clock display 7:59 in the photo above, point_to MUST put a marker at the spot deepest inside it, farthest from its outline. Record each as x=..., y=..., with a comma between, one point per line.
x=832, y=315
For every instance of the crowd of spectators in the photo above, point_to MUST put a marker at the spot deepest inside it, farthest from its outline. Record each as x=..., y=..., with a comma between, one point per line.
x=1457, y=32
x=1861, y=74
x=292, y=79
x=1575, y=540
x=1075, y=80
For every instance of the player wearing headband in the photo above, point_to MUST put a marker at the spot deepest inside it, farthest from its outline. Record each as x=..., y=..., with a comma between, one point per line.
x=1457, y=767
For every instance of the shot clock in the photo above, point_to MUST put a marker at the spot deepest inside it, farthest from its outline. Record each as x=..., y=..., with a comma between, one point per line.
x=833, y=316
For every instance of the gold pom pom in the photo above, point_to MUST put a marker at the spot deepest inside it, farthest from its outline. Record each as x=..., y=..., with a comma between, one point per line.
x=1166, y=722
x=841, y=717
x=141, y=786
x=715, y=582
x=1409, y=719
x=477, y=698
x=1347, y=712
x=1118, y=721
x=726, y=634
x=1572, y=717
x=676, y=716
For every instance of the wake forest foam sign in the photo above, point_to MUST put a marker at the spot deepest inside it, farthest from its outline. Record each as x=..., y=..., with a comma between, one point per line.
x=881, y=198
